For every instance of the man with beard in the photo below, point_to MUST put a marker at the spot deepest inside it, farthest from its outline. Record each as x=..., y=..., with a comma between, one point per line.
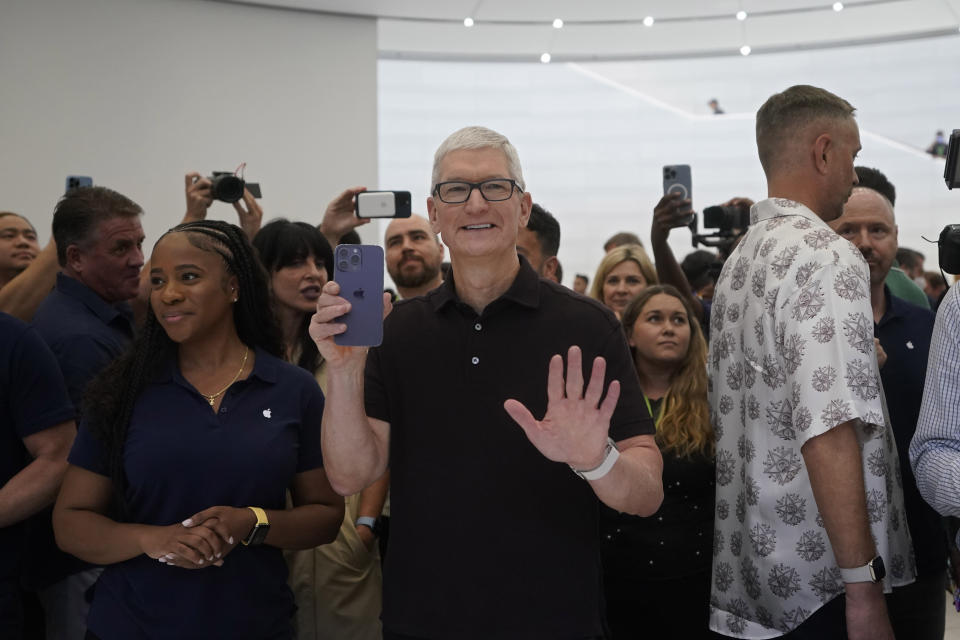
x=904, y=331
x=413, y=256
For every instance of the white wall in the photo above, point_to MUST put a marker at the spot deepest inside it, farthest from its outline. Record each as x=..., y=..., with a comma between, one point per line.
x=593, y=138
x=137, y=92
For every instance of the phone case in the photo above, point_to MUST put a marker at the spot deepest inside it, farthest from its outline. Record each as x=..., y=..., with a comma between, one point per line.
x=677, y=179
x=361, y=283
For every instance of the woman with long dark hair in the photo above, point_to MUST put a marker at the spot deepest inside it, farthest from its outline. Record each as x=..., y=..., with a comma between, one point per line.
x=657, y=569
x=337, y=586
x=187, y=447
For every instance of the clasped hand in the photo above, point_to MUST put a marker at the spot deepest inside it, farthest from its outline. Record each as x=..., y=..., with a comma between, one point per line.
x=202, y=540
x=575, y=426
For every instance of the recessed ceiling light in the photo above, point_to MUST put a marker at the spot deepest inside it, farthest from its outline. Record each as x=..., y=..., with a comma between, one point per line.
x=745, y=50
x=558, y=24
x=648, y=21
x=468, y=22
x=838, y=6
x=741, y=15
x=545, y=58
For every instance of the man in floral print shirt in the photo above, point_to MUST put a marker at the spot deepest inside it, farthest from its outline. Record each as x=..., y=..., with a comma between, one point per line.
x=808, y=483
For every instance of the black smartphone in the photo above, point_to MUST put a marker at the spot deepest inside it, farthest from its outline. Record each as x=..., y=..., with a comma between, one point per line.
x=78, y=181
x=676, y=179
x=358, y=269
x=382, y=204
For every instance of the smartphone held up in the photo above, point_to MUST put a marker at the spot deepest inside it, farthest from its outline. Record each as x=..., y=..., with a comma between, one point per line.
x=383, y=204
x=676, y=179
x=358, y=269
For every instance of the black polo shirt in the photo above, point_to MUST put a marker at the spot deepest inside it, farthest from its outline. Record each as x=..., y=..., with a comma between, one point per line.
x=84, y=332
x=180, y=458
x=32, y=398
x=488, y=538
x=904, y=332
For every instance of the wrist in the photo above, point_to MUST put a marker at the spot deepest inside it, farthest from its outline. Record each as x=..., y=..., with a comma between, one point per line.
x=608, y=459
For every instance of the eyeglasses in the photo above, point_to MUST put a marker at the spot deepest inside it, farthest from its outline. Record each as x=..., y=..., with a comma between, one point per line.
x=495, y=190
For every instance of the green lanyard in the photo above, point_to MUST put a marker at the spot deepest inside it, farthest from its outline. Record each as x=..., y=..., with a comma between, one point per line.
x=656, y=420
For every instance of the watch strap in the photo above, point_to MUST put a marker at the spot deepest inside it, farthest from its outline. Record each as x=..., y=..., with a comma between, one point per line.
x=367, y=521
x=873, y=571
x=612, y=454
x=262, y=522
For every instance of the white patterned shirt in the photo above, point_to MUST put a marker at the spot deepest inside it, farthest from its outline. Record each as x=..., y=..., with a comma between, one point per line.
x=791, y=357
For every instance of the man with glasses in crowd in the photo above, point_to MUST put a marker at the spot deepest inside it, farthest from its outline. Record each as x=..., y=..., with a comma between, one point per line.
x=492, y=534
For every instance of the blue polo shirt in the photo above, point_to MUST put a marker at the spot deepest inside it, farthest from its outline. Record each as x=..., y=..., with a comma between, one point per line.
x=904, y=332
x=84, y=332
x=180, y=458
x=32, y=398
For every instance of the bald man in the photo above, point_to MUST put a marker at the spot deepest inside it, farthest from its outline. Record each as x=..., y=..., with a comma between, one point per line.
x=413, y=255
x=904, y=331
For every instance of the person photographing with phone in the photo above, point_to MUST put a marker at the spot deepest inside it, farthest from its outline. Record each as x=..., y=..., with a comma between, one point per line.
x=458, y=370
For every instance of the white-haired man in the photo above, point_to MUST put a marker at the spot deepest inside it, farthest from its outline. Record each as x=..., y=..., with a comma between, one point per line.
x=492, y=534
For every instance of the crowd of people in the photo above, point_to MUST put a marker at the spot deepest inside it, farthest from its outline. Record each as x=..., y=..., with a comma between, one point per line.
x=718, y=446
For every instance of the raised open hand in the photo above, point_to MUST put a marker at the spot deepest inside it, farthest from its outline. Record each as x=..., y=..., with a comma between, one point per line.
x=574, y=429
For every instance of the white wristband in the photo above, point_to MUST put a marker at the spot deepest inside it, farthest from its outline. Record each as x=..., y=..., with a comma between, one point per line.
x=609, y=459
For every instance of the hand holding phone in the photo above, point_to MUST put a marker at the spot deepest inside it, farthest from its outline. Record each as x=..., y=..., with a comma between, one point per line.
x=358, y=269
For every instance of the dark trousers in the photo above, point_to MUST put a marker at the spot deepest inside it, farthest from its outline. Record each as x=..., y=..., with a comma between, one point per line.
x=11, y=610
x=396, y=636
x=829, y=622
x=677, y=608
x=917, y=611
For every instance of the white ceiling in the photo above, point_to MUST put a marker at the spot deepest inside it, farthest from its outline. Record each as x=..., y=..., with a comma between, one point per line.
x=521, y=30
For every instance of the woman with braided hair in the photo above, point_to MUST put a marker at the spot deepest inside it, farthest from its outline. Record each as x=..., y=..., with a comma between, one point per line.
x=186, y=449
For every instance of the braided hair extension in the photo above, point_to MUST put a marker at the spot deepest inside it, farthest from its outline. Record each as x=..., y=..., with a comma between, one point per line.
x=110, y=398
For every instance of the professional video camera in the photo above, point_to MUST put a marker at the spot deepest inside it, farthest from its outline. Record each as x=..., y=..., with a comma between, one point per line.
x=950, y=236
x=228, y=186
x=730, y=222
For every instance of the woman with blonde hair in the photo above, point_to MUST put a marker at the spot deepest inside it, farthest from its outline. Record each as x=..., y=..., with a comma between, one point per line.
x=622, y=274
x=662, y=563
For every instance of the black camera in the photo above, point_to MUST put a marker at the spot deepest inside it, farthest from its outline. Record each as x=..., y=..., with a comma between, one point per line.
x=228, y=187
x=951, y=172
x=726, y=218
x=729, y=221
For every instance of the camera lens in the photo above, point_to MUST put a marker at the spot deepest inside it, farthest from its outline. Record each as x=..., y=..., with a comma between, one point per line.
x=355, y=259
x=344, y=265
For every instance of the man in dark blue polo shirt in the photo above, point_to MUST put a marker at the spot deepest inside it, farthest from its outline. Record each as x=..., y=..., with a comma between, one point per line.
x=36, y=431
x=492, y=534
x=87, y=322
x=904, y=331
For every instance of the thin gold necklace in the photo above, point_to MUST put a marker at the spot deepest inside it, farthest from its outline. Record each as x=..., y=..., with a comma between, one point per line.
x=213, y=398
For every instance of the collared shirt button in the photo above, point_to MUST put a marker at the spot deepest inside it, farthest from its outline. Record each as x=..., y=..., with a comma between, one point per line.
x=478, y=326
x=475, y=360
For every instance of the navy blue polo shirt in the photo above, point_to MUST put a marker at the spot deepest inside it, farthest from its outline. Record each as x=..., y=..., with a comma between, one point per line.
x=32, y=398
x=84, y=332
x=488, y=538
x=904, y=332
x=180, y=458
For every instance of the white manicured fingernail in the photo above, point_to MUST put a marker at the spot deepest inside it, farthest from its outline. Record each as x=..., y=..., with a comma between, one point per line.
x=219, y=555
x=188, y=522
x=230, y=539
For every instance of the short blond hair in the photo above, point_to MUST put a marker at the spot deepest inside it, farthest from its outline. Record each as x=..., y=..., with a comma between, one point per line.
x=616, y=256
x=785, y=114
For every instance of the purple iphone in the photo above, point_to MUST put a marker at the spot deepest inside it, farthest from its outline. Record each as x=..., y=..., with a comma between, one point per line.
x=358, y=269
